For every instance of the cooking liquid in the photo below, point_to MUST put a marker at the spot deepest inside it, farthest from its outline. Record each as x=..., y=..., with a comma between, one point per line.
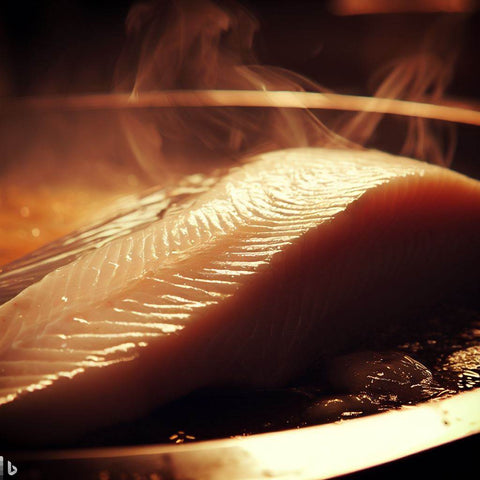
x=442, y=360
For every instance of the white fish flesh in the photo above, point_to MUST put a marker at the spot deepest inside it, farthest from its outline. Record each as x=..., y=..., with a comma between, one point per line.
x=297, y=254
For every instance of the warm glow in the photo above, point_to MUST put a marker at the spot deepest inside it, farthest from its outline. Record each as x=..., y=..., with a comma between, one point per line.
x=31, y=216
x=368, y=7
x=190, y=98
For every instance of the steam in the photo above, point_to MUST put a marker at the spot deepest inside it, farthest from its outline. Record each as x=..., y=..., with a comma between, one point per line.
x=189, y=47
x=95, y=148
x=201, y=45
x=422, y=76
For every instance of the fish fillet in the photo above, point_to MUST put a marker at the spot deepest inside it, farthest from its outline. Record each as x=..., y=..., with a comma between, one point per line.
x=297, y=254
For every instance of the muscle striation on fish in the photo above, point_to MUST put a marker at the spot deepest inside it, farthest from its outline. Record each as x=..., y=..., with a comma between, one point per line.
x=297, y=254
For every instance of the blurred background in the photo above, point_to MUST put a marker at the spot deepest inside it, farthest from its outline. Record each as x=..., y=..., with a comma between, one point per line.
x=67, y=46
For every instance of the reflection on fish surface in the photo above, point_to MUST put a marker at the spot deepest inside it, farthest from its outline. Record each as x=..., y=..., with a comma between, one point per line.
x=245, y=280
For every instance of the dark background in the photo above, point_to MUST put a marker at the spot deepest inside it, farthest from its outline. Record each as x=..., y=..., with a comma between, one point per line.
x=60, y=46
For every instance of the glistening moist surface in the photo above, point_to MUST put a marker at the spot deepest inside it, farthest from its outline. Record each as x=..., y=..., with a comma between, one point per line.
x=159, y=300
x=125, y=216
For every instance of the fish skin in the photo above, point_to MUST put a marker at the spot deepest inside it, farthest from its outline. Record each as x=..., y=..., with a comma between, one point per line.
x=297, y=254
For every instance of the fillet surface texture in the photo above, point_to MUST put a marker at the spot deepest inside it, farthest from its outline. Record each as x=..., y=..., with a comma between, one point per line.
x=299, y=253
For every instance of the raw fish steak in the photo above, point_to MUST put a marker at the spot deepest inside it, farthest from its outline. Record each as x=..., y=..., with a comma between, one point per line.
x=295, y=255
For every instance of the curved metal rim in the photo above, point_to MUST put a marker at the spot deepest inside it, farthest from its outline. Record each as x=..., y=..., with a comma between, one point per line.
x=317, y=452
